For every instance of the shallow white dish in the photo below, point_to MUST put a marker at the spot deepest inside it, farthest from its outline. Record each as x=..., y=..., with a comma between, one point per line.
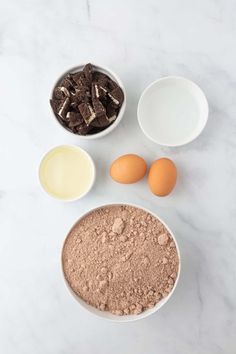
x=172, y=111
x=108, y=315
x=43, y=181
x=111, y=127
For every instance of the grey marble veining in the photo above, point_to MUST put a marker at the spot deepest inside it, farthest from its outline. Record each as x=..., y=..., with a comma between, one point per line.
x=141, y=41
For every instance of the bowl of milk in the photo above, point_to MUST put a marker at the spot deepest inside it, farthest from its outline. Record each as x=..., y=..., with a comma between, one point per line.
x=172, y=111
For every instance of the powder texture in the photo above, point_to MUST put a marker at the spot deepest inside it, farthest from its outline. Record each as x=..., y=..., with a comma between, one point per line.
x=120, y=259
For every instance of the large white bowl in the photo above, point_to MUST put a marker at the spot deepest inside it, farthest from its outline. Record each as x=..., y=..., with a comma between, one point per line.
x=111, y=127
x=108, y=315
x=172, y=111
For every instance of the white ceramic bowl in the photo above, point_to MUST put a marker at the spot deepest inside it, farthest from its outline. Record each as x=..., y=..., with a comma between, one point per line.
x=108, y=315
x=92, y=165
x=172, y=111
x=111, y=127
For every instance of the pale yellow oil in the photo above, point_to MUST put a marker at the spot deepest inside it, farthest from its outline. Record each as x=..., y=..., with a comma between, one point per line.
x=66, y=172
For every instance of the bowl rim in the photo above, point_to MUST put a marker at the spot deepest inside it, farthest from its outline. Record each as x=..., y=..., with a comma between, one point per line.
x=91, y=163
x=203, y=102
x=108, y=315
x=115, y=77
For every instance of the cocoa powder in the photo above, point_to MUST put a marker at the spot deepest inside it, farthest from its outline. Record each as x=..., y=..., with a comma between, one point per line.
x=120, y=259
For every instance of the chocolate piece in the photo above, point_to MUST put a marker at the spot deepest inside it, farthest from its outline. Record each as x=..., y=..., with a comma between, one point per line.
x=74, y=119
x=81, y=95
x=100, y=122
x=95, y=90
x=87, y=70
x=101, y=79
x=55, y=104
x=83, y=129
x=65, y=91
x=87, y=112
x=111, y=113
x=64, y=108
x=61, y=92
x=105, y=82
x=101, y=119
x=98, y=107
x=86, y=102
x=80, y=79
x=117, y=96
x=112, y=85
x=64, y=83
x=98, y=91
x=74, y=102
x=67, y=82
x=103, y=90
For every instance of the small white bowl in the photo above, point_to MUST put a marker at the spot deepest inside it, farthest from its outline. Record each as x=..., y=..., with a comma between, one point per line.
x=108, y=315
x=172, y=111
x=91, y=163
x=111, y=127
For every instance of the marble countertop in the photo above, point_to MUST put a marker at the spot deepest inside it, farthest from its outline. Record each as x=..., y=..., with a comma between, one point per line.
x=141, y=41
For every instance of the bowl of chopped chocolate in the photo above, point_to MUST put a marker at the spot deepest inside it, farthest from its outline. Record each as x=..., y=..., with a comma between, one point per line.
x=88, y=101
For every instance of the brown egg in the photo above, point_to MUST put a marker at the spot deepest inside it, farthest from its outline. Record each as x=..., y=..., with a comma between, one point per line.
x=162, y=177
x=128, y=168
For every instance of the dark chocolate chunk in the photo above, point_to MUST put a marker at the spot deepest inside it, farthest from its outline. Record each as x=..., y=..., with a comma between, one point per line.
x=63, y=109
x=101, y=79
x=100, y=111
x=61, y=92
x=98, y=107
x=81, y=95
x=94, y=90
x=74, y=119
x=87, y=112
x=111, y=112
x=117, y=96
x=67, y=82
x=96, y=130
x=60, y=107
x=105, y=82
x=87, y=70
x=74, y=102
x=55, y=104
x=112, y=85
x=80, y=79
x=62, y=122
x=83, y=129
x=98, y=91
x=105, y=100
x=100, y=122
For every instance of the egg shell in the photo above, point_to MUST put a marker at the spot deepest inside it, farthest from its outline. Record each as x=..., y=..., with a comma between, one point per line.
x=128, y=168
x=162, y=177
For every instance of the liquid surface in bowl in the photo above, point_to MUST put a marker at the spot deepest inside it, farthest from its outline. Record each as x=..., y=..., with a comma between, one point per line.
x=66, y=172
x=120, y=259
x=172, y=111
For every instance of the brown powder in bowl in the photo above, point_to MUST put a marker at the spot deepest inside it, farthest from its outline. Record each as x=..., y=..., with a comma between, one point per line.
x=120, y=259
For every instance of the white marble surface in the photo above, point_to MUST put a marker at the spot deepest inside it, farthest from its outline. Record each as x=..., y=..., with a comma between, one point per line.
x=141, y=41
